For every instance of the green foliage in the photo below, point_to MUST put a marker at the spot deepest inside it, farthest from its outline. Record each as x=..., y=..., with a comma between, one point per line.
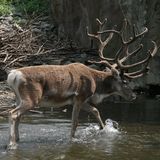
x=5, y=7
x=32, y=6
x=25, y=6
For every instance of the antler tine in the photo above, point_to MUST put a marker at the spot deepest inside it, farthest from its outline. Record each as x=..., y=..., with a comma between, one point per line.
x=145, y=68
x=138, y=73
x=130, y=54
x=131, y=40
x=102, y=44
x=134, y=30
x=133, y=77
x=150, y=55
x=96, y=36
x=155, y=48
x=124, y=24
x=92, y=35
x=125, y=45
x=135, y=64
x=102, y=62
x=136, y=36
x=126, y=57
x=101, y=23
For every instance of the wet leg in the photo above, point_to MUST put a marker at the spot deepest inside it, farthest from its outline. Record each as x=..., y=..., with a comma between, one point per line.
x=87, y=107
x=75, y=115
x=14, y=119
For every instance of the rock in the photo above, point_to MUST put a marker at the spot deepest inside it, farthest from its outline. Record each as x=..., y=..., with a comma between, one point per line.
x=44, y=25
x=158, y=97
x=94, y=66
x=3, y=74
x=72, y=17
x=36, y=30
x=84, y=55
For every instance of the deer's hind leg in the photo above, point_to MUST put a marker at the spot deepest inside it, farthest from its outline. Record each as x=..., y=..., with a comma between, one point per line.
x=28, y=100
x=14, y=119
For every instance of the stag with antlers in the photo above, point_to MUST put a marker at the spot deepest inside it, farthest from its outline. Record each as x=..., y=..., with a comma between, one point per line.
x=76, y=84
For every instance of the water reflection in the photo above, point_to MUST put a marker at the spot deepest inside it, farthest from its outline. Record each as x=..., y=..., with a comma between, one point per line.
x=47, y=137
x=140, y=142
x=142, y=110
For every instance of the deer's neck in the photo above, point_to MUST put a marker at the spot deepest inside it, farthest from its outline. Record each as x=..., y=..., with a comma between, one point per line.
x=103, y=87
x=103, y=82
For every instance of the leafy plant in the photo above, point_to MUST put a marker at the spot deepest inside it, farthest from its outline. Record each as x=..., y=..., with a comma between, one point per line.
x=5, y=7
x=24, y=6
x=32, y=6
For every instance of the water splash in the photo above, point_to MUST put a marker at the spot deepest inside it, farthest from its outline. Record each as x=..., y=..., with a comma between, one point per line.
x=105, y=139
x=84, y=135
x=93, y=134
x=111, y=126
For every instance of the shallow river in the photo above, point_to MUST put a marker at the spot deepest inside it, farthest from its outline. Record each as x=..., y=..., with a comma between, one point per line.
x=46, y=137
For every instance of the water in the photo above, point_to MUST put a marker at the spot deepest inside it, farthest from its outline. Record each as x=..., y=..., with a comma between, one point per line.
x=47, y=137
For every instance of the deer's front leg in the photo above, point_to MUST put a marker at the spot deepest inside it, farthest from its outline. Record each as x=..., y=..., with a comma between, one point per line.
x=75, y=115
x=91, y=109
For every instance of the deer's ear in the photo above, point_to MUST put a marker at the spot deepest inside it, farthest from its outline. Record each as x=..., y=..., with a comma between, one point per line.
x=115, y=72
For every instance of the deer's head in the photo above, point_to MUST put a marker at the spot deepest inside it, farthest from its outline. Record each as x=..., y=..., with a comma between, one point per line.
x=119, y=66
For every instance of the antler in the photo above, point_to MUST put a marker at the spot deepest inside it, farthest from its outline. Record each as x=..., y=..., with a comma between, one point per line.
x=123, y=54
x=145, y=68
x=98, y=36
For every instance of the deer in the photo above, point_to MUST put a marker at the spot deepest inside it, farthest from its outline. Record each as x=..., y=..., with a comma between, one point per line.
x=76, y=84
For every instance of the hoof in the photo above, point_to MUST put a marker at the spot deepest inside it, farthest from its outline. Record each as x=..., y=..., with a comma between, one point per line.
x=12, y=146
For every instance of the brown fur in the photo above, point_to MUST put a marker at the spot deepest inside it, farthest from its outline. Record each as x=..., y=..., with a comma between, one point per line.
x=74, y=84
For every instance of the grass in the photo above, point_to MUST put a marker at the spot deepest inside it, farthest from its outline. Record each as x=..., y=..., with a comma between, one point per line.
x=5, y=7
x=32, y=6
x=26, y=7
